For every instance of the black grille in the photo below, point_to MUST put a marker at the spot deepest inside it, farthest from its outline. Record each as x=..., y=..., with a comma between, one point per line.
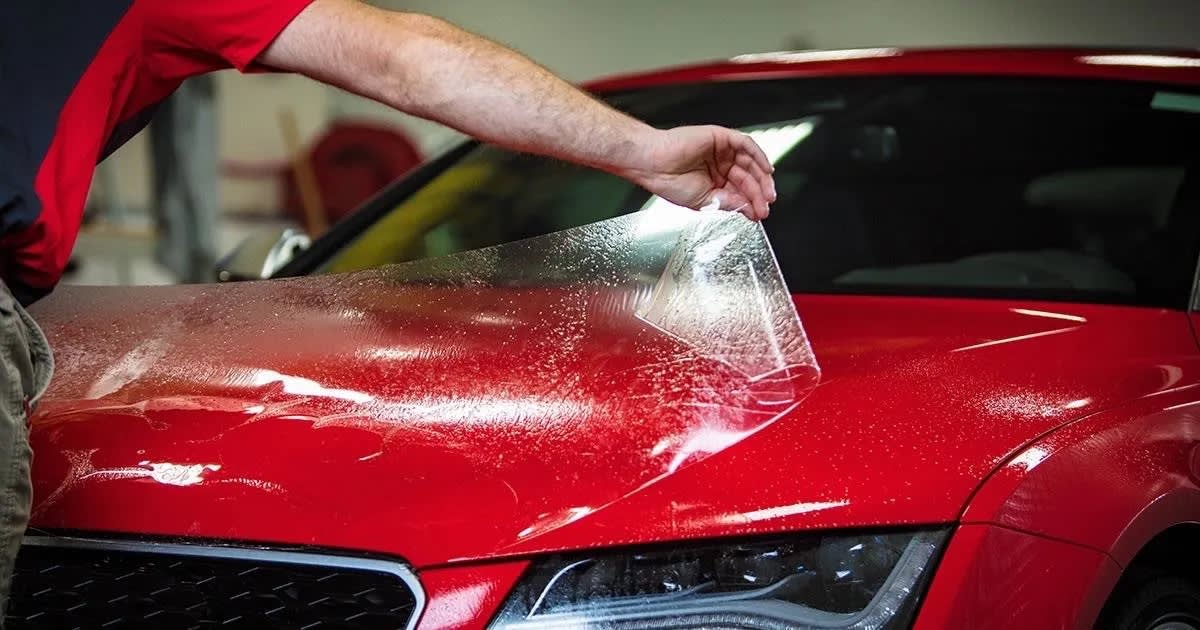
x=84, y=587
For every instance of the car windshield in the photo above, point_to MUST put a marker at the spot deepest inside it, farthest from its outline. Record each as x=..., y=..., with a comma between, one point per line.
x=968, y=186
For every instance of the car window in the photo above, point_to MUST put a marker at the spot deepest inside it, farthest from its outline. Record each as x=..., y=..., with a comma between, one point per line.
x=992, y=187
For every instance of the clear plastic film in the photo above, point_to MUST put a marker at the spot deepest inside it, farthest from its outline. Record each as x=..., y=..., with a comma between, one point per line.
x=721, y=293
x=708, y=279
x=549, y=377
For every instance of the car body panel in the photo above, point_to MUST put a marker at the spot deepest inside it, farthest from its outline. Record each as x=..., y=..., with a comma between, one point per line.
x=889, y=364
x=1179, y=67
x=996, y=578
x=1134, y=470
x=933, y=394
x=467, y=597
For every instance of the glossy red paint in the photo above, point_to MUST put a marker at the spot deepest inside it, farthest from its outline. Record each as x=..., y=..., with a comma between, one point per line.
x=467, y=597
x=996, y=578
x=912, y=399
x=1178, y=67
x=921, y=399
x=1138, y=457
x=384, y=411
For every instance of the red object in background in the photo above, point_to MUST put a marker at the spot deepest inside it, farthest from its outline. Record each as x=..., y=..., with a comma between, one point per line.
x=1058, y=439
x=352, y=160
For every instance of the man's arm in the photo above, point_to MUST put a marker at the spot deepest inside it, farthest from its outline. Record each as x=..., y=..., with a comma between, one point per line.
x=432, y=69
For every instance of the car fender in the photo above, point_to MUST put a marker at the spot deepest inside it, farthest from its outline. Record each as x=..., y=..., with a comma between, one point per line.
x=995, y=578
x=1109, y=482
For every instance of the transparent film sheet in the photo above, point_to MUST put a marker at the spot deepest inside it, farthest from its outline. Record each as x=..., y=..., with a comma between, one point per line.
x=552, y=376
x=721, y=293
x=708, y=278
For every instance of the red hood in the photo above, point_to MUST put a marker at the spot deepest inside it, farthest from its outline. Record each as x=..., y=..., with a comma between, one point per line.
x=250, y=425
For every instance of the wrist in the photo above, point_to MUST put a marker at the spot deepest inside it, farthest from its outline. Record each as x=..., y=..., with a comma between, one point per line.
x=637, y=159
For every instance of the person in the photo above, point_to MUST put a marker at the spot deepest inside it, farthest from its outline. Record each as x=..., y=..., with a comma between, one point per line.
x=184, y=197
x=79, y=77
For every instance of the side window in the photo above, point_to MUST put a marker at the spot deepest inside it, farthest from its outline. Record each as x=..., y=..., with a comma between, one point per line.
x=533, y=199
x=490, y=197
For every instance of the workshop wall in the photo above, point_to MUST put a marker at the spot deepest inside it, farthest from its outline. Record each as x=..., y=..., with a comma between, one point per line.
x=582, y=39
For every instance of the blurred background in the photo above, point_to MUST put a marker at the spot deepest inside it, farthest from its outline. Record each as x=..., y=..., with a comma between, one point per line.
x=232, y=155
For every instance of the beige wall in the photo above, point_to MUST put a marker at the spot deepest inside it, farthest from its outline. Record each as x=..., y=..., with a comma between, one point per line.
x=584, y=38
x=248, y=111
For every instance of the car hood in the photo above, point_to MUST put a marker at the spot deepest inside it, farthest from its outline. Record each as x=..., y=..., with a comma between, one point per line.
x=453, y=420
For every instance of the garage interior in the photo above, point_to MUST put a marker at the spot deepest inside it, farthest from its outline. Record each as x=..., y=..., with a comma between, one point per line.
x=320, y=363
x=251, y=113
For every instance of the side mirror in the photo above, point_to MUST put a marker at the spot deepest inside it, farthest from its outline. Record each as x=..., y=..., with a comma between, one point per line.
x=259, y=256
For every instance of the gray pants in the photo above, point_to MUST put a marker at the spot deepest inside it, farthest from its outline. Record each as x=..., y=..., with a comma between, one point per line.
x=183, y=138
x=25, y=368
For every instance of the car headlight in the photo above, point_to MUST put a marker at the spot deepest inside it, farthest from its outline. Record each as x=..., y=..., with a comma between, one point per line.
x=835, y=581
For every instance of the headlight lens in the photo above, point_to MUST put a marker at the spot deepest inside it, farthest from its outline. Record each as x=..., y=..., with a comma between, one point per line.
x=859, y=582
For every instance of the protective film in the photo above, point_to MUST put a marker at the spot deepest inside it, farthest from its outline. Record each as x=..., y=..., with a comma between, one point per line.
x=707, y=278
x=538, y=381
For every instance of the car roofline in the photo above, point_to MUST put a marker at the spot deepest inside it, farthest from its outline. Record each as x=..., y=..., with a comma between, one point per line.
x=1171, y=66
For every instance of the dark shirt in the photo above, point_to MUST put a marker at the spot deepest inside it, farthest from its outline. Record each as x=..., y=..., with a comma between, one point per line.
x=80, y=77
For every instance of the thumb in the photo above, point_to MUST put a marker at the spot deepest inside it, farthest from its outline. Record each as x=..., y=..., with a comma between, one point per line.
x=725, y=200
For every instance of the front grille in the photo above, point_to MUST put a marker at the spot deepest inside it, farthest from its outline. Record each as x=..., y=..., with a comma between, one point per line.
x=69, y=583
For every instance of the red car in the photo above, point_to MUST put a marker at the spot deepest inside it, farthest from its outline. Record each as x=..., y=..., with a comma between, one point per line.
x=994, y=255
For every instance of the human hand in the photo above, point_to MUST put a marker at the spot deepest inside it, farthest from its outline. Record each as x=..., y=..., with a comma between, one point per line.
x=692, y=166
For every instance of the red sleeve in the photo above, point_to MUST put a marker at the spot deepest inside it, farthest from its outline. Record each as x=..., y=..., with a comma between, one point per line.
x=183, y=37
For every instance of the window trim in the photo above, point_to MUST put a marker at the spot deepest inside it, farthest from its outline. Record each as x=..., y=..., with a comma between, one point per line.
x=1194, y=302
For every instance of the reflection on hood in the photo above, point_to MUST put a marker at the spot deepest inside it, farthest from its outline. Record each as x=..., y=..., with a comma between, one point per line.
x=598, y=360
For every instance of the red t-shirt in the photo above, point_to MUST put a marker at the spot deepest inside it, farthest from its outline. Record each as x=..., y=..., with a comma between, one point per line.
x=77, y=79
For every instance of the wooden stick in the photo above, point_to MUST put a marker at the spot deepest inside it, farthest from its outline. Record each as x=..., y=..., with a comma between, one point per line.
x=316, y=221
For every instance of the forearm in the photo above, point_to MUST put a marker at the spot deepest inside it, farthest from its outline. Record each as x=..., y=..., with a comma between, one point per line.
x=429, y=68
x=497, y=95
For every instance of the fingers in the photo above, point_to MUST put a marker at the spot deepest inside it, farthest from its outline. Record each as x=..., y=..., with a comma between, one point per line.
x=755, y=185
x=765, y=179
x=734, y=201
x=725, y=158
x=750, y=172
x=711, y=161
x=746, y=145
x=751, y=188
